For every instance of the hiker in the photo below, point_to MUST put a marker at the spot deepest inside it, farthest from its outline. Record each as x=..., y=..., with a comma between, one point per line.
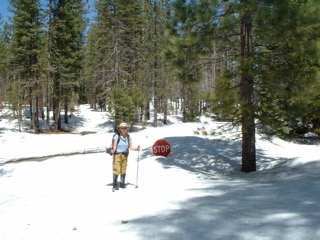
x=120, y=151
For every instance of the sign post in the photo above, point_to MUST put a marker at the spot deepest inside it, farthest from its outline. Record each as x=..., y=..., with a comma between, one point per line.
x=161, y=148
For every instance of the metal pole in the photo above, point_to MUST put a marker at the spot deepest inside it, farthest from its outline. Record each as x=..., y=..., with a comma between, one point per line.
x=137, y=169
x=112, y=163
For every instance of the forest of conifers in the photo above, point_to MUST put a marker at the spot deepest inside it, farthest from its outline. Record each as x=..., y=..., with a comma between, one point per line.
x=252, y=63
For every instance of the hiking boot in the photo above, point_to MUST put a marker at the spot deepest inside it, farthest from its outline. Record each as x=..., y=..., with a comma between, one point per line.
x=115, y=186
x=115, y=182
x=122, y=182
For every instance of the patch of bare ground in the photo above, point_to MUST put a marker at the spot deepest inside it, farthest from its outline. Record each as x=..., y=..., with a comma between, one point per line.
x=63, y=132
x=87, y=132
x=56, y=132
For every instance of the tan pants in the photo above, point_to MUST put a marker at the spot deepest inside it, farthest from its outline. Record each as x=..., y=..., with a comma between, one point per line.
x=120, y=164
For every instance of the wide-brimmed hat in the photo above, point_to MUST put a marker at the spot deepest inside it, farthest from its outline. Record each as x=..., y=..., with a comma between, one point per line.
x=124, y=125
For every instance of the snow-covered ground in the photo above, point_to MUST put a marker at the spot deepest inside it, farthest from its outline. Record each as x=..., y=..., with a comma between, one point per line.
x=58, y=186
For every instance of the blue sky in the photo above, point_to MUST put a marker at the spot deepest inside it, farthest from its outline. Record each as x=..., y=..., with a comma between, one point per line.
x=5, y=13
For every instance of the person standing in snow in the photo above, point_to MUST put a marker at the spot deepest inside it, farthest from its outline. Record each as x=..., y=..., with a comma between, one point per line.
x=120, y=151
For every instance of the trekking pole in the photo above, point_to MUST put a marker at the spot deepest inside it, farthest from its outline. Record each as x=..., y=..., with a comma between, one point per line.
x=137, y=169
x=112, y=163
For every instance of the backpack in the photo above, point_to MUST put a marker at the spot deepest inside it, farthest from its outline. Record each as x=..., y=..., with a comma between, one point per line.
x=108, y=150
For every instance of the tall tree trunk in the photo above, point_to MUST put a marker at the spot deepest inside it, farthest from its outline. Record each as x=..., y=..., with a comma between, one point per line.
x=56, y=109
x=41, y=104
x=147, y=110
x=165, y=110
x=47, y=108
x=36, y=117
x=155, y=111
x=246, y=95
x=57, y=102
x=48, y=70
x=66, y=109
x=31, y=113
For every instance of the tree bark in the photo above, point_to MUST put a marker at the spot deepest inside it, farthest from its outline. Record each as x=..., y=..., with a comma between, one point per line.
x=66, y=109
x=246, y=95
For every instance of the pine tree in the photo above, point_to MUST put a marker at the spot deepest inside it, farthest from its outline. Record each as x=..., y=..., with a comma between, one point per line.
x=67, y=39
x=93, y=87
x=266, y=63
x=158, y=74
x=119, y=36
x=4, y=56
x=26, y=47
x=124, y=48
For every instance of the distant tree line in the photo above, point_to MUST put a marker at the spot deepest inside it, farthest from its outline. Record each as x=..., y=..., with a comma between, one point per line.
x=254, y=64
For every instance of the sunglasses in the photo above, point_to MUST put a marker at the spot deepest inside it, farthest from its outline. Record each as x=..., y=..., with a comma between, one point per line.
x=123, y=128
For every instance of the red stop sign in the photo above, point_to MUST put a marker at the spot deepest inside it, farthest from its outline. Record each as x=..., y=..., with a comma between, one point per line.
x=161, y=148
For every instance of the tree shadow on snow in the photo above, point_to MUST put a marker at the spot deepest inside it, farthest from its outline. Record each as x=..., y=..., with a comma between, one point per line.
x=214, y=159
x=237, y=211
x=2, y=130
x=278, y=202
x=4, y=172
x=199, y=155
